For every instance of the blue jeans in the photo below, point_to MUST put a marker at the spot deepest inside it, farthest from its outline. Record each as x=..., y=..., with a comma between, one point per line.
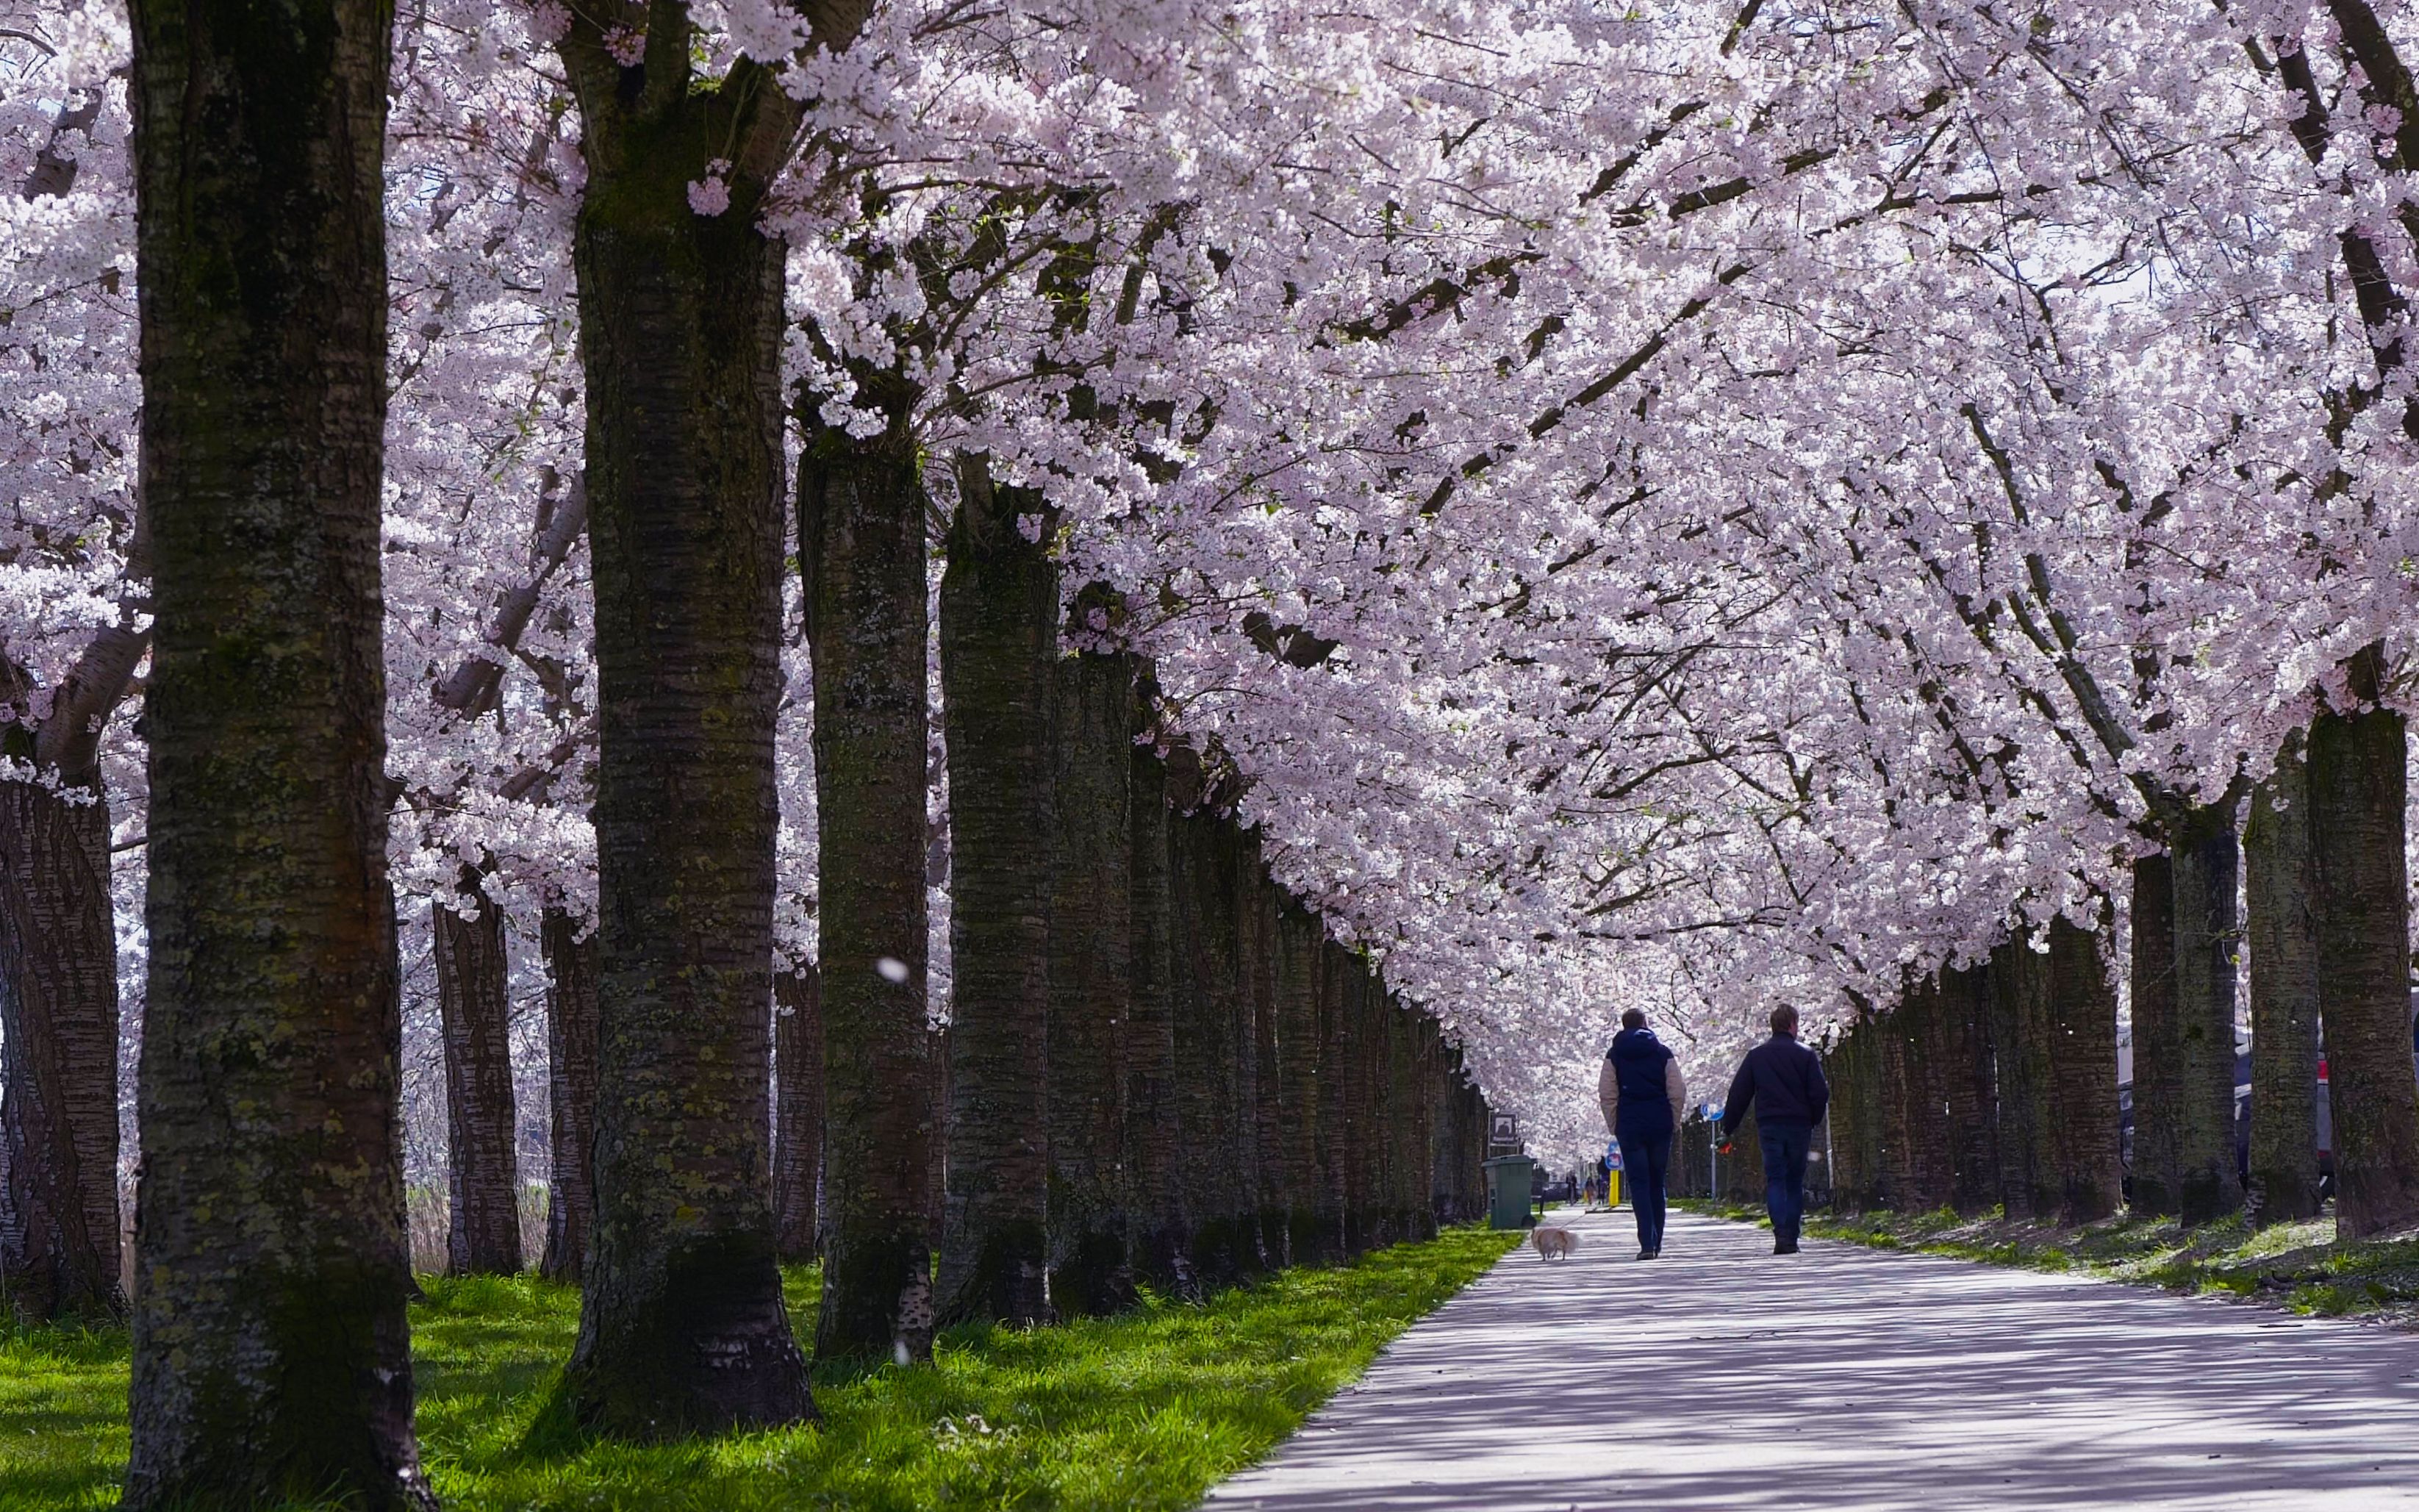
x=1645, y=1162
x=1785, y=1176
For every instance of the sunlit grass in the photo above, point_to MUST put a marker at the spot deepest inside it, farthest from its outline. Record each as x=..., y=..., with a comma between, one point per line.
x=2297, y=1266
x=1144, y=1411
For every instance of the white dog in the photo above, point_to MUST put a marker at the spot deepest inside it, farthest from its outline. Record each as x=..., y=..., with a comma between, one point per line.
x=1553, y=1244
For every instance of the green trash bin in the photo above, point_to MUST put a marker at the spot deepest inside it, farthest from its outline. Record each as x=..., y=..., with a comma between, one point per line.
x=1507, y=1191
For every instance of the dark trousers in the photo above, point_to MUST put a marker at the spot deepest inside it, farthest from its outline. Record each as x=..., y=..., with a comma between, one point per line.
x=1785, y=1176
x=1646, y=1164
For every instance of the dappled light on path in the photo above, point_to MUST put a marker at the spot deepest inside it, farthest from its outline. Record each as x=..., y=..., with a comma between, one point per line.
x=1724, y=1377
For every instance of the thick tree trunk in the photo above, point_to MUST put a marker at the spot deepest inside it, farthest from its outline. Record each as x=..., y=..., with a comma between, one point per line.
x=1256, y=908
x=474, y=1008
x=1161, y=1245
x=2363, y=907
x=2157, y=1085
x=1000, y=643
x=1930, y=1061
x=1313, y=1223
x=2280, y=926
x=571, y=1093
x=1895, y=1157
x=798, y=1110
x=2083, y=1075
x=2021, y=990
x=271, y=1352
x=1972, y=1096
x=1091, y=967
x=861, y=540
x=2207, y=1183
x=1339, y=975
x=1205, y=1048
x=59, y=1053
x=682, y=1326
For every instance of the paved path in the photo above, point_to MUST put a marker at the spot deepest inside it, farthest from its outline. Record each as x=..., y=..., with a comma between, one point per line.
x=1724, y=1377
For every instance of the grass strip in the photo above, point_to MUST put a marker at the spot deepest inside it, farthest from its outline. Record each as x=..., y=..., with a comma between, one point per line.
x=2297, y=1267
x=1144, y=1411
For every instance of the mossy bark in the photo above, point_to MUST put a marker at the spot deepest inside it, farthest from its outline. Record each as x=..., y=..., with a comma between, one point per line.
x=474, y=1011
x=2209, y=1185
x=2358, y=806
x=571, y=1093
x=1160, y=1242
x=2083, y=1075
x=999, y=641
x=59, y=1053
x=2280, y=926
x=1092, y=968
x=682, y=1324
x=798, y=1110
x=2157, y=1085
x=862, y=547
x=271, y=1354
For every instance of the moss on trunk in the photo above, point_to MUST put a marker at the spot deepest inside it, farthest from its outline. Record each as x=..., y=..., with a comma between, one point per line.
x=2280, y=928
x=999, y=639
x=474, y=1009
x=270, y=1349
x=2358, y=803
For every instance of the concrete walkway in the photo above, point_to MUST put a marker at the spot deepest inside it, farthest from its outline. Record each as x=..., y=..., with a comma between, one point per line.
x=1724, y=1377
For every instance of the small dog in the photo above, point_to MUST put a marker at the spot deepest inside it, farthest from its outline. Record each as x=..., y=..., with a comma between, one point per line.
x=1553, y=1244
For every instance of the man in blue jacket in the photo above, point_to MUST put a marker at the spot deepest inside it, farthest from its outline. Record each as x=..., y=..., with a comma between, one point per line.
x=1782, y=1081
x=1642, y=1093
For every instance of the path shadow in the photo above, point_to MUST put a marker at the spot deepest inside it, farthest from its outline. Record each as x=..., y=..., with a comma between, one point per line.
x=1724, y=1377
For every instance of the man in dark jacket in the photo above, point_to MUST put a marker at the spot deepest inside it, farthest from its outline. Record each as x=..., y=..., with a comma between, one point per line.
x=1782, y=1081
x=1642, y=1093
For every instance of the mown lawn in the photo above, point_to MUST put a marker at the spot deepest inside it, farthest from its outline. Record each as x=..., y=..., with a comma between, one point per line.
x=2298, y=1267
x=1144, y=1410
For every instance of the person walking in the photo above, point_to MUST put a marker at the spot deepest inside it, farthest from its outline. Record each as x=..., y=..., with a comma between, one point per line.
x=1643, y=1094
x=1782, y=1081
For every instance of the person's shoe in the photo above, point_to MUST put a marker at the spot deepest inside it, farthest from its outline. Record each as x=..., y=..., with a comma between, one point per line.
x=1784, y=1246
x=1645, y=1254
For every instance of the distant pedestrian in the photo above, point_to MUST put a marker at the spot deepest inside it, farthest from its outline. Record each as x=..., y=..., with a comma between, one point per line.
x=1782, y=1081
x=1643, y=1094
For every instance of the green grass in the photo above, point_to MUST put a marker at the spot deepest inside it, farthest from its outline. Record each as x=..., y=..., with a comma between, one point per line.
x=2298, y=1267
x=1144, y=1411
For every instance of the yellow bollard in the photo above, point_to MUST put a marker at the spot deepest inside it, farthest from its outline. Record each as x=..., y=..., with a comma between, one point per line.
x=1613, y=1189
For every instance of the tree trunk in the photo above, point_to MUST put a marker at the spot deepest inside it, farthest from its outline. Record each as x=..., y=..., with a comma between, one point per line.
x=1339, y=975
x=999, y=644
x=798, y=1110
x=682, y=1326
x=1091, y=967
x=861, y=545
x=1161, y=1245
x=571, y=1093
x=2207, y=1183
x=474, y=1007
x=2363, y=908
x=2157, y=1085
x=271, y=1351
x=1205, y=1048
x=2021, y=988
x=1894, y=1155
x=1313, y=1222
x=59, y=1053
x=2280, y=892
x=1930, y=1069
x=1972, y=1098
x=2083, y=1075
x=1256, y=907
